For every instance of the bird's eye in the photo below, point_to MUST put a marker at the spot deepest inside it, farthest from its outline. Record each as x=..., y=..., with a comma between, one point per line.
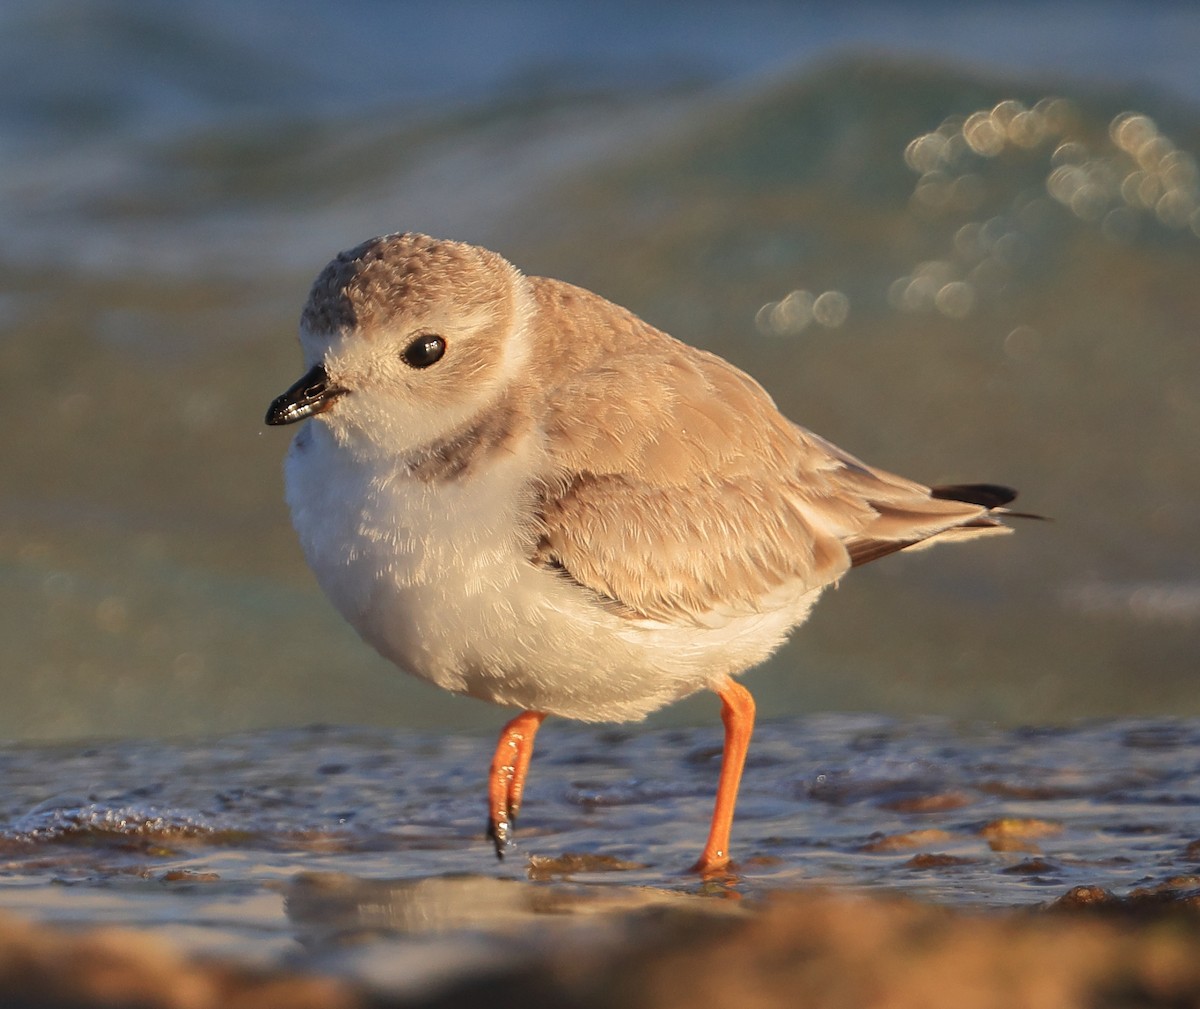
x=424, y=351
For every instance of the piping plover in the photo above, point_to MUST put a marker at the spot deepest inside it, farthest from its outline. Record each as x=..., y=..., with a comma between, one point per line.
x=524, y=493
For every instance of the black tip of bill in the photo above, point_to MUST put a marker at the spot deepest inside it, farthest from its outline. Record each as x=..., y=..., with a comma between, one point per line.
x=311, y=395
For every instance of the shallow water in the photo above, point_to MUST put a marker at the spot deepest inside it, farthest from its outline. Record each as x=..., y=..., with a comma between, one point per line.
x=363, y=852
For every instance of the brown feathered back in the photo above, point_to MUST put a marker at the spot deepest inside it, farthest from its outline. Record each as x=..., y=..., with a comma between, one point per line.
x=666, y=457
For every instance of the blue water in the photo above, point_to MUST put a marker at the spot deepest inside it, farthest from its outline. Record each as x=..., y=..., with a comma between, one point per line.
x=74, y=69
x=91, y=90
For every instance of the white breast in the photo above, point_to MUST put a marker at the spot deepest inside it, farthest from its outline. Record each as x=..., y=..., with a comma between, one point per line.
x=435, y=576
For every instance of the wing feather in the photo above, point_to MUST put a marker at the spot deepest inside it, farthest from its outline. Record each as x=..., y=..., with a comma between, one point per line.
x=679, y=491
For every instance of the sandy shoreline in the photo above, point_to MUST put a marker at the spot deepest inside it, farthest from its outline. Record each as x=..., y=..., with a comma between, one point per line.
x=797, y=948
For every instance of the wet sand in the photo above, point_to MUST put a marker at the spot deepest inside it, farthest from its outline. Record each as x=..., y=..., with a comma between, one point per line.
x=793, y=949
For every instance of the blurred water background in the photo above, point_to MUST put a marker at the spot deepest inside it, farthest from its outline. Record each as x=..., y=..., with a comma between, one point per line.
x=961, y=241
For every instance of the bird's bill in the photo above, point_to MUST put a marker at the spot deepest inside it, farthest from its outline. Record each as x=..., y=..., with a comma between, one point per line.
x=311, y=395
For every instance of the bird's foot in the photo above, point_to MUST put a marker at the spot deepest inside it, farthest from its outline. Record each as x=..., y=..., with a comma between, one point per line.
x=711, y=867
x=500, y=831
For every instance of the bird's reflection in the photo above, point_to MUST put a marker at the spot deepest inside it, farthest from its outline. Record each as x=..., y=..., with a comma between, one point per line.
x=329, y=909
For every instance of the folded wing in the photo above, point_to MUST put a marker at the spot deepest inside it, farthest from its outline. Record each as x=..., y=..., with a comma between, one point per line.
x=681, y=494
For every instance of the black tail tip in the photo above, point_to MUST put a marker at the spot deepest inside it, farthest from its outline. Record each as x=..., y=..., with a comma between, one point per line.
x=986, y=495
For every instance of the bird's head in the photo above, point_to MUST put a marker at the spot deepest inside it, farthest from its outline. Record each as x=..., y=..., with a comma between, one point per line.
x=406, y=338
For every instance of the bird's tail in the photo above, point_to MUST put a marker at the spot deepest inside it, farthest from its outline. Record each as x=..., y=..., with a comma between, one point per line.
x=991, y=498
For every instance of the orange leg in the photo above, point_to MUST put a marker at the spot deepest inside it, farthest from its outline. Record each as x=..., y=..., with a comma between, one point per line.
x=737, y=712
x=506, y=781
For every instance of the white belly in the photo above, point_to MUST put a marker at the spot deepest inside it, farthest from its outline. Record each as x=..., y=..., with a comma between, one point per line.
x=435, y=576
